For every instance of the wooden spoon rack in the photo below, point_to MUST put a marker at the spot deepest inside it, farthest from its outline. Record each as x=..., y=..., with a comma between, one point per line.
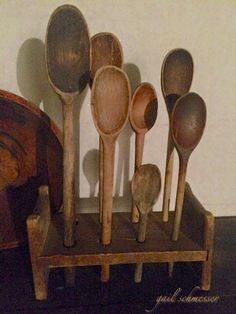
x=45, y=232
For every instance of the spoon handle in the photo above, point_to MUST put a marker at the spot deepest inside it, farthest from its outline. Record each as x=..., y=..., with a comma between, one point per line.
x=108, y=174
x=100, y=178
x=168, y=177
x=141, y=238
x=139, y=144
x=179, y=198
x=68, y=175
x=142, y=227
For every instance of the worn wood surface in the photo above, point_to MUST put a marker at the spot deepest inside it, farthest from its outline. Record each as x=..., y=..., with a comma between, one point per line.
x=106, y=49
x=143, y=115
x=110, y=102
x=68, y=49
x=176, y=79
x=188, y=121
x=68, y=65
x=124, y=247
x=30, y=151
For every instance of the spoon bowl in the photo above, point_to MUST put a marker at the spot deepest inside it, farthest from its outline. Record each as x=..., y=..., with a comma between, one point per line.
x=144, y=107
x=68, y=50
x=111, y=97
x=176, y=76
x=188, y=122
x=106, y=50
x=146, y=186
x=176, y=79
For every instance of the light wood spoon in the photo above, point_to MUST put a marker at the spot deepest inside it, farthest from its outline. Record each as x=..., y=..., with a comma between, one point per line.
x=110, y=104
x=176, y=79
x=143, y=114
x=68, y=64
x=187, y=126
x=106, y=50
x=146, y=186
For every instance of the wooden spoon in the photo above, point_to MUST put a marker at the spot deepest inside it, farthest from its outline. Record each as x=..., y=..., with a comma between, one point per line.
x=146, y=186
x=187, y=126
x=110, y=102
x=176, y=79
x=143, y=114
x=68, y=63
x=106, y=50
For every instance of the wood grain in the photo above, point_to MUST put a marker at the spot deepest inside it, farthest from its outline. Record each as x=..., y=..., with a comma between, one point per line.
x=35, y=146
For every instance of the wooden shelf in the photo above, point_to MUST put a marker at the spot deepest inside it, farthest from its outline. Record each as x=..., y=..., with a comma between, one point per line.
x=124, y=248
x=45, y=233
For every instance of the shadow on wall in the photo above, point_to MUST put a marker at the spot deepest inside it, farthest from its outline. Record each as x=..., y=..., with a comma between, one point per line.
x=90, y=168
x=33, y=81
x=34, y=85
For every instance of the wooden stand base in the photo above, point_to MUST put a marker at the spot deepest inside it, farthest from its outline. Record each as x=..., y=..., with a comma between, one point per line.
x=47, y=251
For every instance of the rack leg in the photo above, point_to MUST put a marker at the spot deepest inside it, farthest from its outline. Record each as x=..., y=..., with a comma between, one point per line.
x=41, y=274
x=208, y=243
x=105, y=272
x=69, y=274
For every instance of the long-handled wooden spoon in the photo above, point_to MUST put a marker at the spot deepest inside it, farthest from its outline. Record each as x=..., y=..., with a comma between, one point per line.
x=106, y=50
x=143, y=114
x=110, y=103
x=176, y=79
x=187, y=126
x=68, y=64
x=146, y=186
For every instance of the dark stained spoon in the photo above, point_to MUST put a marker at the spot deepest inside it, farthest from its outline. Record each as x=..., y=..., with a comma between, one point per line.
x=68, y=64
x=187, y=126
x=176, y=79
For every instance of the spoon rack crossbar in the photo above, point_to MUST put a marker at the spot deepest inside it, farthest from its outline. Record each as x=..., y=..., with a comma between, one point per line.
x=195, y=243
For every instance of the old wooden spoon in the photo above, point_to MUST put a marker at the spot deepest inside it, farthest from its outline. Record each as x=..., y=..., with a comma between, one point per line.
x=110, y=102
x=187, y=125
x=146, y=186
x=106, y=50
x=68, y=63
x=143, y=114
x=176, y=79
